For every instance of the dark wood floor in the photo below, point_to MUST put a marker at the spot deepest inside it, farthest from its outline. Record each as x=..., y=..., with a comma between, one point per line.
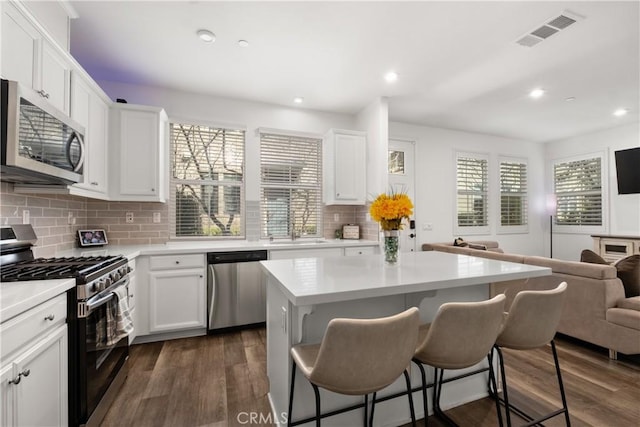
x=211, y=380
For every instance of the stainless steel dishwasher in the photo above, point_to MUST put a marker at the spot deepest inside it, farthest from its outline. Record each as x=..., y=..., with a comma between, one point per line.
x=236, y=289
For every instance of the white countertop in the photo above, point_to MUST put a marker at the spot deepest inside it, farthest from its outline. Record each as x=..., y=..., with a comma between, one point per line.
x=186, y=247
x=307, y=281
x=18, y=297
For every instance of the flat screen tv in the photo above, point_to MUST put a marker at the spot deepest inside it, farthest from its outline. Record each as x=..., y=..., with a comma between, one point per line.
x=628, y=170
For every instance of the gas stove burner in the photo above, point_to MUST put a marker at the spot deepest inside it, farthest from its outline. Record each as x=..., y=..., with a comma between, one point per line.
x=59, y=268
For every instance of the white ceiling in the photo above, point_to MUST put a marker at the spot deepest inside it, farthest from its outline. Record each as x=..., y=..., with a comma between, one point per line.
x=458, y=64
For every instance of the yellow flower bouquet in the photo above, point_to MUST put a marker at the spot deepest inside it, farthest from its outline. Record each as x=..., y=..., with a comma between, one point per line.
x=390, y=209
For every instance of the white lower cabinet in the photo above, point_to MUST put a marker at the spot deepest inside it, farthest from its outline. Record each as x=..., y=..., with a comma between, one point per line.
x=177, y=300
x=34, y=367
x=173, y=290
x=365, y=250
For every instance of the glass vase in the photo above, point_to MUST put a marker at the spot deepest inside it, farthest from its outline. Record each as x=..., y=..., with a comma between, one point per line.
x=391, y=246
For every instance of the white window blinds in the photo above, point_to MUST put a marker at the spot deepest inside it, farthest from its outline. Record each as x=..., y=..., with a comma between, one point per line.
x=207, y=181
x=513, y=193
x=290, y=185
x=472, y=190
x=578, y=190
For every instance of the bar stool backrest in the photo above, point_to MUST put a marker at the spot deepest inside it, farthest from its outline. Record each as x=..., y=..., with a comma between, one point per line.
x=360, y=356
x=533, y=318
x=462, y=333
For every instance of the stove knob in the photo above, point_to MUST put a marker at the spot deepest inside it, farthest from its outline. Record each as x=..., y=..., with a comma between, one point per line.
x=115, y=276
x=107, y=282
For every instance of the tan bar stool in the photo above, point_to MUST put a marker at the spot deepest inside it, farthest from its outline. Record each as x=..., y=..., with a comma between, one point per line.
x=460, y=336
x=358, y=357
x=531, y=323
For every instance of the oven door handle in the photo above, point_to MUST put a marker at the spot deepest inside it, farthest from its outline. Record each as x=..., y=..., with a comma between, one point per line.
x=106, y=296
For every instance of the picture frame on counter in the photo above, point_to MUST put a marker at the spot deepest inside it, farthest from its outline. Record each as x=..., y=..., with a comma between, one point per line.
x=97, y=237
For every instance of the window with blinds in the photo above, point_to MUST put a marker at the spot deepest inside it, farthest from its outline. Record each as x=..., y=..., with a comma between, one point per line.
x=513, y=193
x=207, y=181
x=472, y=191
x=290, y=185
x=578, y=191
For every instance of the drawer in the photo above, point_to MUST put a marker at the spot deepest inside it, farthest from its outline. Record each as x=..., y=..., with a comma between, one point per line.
x=166, y=262
x=367, y=250
x=41, y=319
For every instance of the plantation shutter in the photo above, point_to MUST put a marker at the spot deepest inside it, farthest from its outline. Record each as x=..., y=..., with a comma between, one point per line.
x=290, y=185
x=578, y=190
x=472, y=203
x=207, y=181
x=513, y=193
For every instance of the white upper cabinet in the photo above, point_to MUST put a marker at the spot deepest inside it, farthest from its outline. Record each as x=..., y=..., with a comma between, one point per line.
x=55, y=77
x=20, y=47
x=344, y=167
x=90, y=110
x=139, y=169
x=30, y=59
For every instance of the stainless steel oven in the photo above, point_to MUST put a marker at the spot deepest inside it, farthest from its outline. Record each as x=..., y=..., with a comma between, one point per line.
x=101, y=360
x=40, y=144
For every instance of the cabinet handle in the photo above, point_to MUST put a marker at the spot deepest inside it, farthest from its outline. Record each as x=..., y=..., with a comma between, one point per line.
x=49, y=317
x=24, y=373
x=43, y=94
x=177, y=262
x=201, y=276
x=153, y=190
x=94, y=183
x=337, y=194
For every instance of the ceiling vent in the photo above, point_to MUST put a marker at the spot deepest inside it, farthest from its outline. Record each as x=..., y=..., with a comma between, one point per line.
x=550, y=27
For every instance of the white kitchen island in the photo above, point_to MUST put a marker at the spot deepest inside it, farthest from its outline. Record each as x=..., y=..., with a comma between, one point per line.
x=304, y=294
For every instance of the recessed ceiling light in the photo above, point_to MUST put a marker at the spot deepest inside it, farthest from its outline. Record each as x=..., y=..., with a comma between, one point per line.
x=536, y=93
x=243, y=43
x=206, y=36
x=620, y=112
x=570, y=99
x=298, y=100
x=391, y=76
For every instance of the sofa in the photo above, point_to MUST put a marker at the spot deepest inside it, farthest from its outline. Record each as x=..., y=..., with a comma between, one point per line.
x=596, y=308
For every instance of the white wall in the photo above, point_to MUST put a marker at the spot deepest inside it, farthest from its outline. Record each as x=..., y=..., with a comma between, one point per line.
x=224, y=111
x=436, y=190
x=623, y=213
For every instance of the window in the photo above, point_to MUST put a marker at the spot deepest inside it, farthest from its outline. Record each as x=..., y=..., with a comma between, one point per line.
x=290, y=185
x=513, y=195
x=207, y=181
x=472, y=191
x=578, y=191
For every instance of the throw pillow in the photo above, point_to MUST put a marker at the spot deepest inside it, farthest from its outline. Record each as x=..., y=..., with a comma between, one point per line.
x=591, y=257
x=460, y=242
x=629, y=272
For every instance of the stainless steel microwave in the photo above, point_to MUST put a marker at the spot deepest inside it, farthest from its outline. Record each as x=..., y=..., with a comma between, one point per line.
x=40, y=144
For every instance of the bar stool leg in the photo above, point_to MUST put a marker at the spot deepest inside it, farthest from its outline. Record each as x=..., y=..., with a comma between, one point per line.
x=564, y=398
x=317, y=393
x=493, y=388
x=293, y=380
x=411, y=408
x=424, y=391
x=373, y=407
x=505, y=392
x=366, y=410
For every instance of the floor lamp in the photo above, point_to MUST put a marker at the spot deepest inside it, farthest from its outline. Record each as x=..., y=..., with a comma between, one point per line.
x=551, y=210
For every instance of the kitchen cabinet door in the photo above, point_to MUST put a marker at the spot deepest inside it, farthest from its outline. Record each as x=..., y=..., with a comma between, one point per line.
x=90, y=110
x=41, y=394
x=55, y=77
x=20, y=47
x=177, y=300
x=7, y=395
x=344, y=165
x=140, y=133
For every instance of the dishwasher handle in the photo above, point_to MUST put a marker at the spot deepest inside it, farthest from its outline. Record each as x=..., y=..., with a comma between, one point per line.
x=212, y=288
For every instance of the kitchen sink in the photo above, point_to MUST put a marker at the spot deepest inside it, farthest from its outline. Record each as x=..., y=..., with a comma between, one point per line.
x=298, y=242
